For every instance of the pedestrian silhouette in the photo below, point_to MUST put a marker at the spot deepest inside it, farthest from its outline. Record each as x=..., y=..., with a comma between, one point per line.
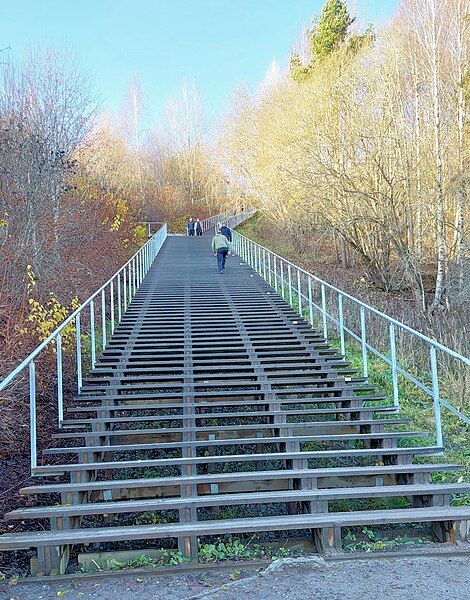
x=190, y=226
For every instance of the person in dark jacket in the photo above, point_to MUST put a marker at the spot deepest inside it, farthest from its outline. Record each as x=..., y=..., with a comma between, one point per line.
x=198, y=227
x=190, y=226
x=225, y=230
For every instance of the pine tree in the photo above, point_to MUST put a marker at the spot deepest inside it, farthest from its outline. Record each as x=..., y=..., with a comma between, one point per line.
x=327, y=34
x=331, y=30
x=298, y=70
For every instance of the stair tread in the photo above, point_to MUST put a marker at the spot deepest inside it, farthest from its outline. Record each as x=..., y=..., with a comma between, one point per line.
x=230, y=499
x=11, y=541
x=242, y=476
x=236, y=458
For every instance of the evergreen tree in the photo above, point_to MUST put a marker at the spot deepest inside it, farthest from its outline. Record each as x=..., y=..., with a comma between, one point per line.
x=328, y=34
x=298, y=70
x=330, y=31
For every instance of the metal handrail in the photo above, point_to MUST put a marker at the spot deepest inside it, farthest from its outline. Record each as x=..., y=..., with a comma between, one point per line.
x=236, y=220
x=121, y=287
x=149, y=224
x=279, y=273
x=212, y=221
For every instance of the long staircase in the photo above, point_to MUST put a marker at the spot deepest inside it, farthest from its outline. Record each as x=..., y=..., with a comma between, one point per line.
x=214, y=393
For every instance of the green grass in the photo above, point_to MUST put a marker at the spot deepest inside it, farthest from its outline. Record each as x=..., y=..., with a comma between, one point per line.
x=414, y=403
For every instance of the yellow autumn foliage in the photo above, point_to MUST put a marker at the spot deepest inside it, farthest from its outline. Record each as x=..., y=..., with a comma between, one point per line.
x=43, y=319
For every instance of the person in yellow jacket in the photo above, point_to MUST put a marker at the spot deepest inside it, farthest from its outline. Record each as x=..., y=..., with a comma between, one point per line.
x=220, y=248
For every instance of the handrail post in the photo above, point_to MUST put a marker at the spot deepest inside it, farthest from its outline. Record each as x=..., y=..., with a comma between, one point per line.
x=119, y=298
x=393, y=356
x=435, y=395
x=32, y=415
x=310, y=300
x=299, y=291
x=365, y=358
x=282, y=279
x=264, y=264
x=92, y=334
x=269, y=268
x=323, y=310
x=275, y=273
x=289, y=279
x=134, y=276
x=103, y=319
x=78, y=343
x=341, y=323
x=124, y=295
x=60, y=390
x=129, y=283
x=111, y=306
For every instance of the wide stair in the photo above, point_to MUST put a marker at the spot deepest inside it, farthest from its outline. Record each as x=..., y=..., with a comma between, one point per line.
x=213, y=395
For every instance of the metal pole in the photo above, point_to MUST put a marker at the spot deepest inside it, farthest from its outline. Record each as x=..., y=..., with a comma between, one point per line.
x=341, y=323
x=282, y=278
x=134, y=276
x=32, y=414
x=365, y=358
x=289, y=277
x=103, y=319
x=92, y=334
x=60, y=391
x=125, y=288
x=111, y=293
x=275, y=273
x=310, y=301
x=119, y=299
x=78, y=341
x=323, y=310
x=269, y=268
x=393, y=356
x=435, y=395
x=264, y=264
x=299, y=291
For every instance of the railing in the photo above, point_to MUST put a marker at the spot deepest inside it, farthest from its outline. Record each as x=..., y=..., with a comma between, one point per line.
x=236, y=220
x=212, y=221
x=152, y=226
x=111, y=300
x=231, y=220
x=317, y=299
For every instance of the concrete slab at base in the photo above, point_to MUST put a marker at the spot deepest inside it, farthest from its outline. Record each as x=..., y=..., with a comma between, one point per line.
x=99, y=559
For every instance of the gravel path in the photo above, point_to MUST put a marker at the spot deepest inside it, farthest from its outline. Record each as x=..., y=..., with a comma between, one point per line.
x=411, y=578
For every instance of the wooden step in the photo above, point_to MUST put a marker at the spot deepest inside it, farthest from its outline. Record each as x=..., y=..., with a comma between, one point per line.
x=316, y=395
x=96, y=535
x=226, y=458
x=210, y=443
x=237, y=499
x=68, y=423
x=243, y=476
x=196, y=405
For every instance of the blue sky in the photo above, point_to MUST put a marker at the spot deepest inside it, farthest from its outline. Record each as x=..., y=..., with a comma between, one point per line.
x=216, y=43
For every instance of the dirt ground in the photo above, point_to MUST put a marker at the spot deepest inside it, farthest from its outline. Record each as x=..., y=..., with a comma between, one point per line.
x=410, y=578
